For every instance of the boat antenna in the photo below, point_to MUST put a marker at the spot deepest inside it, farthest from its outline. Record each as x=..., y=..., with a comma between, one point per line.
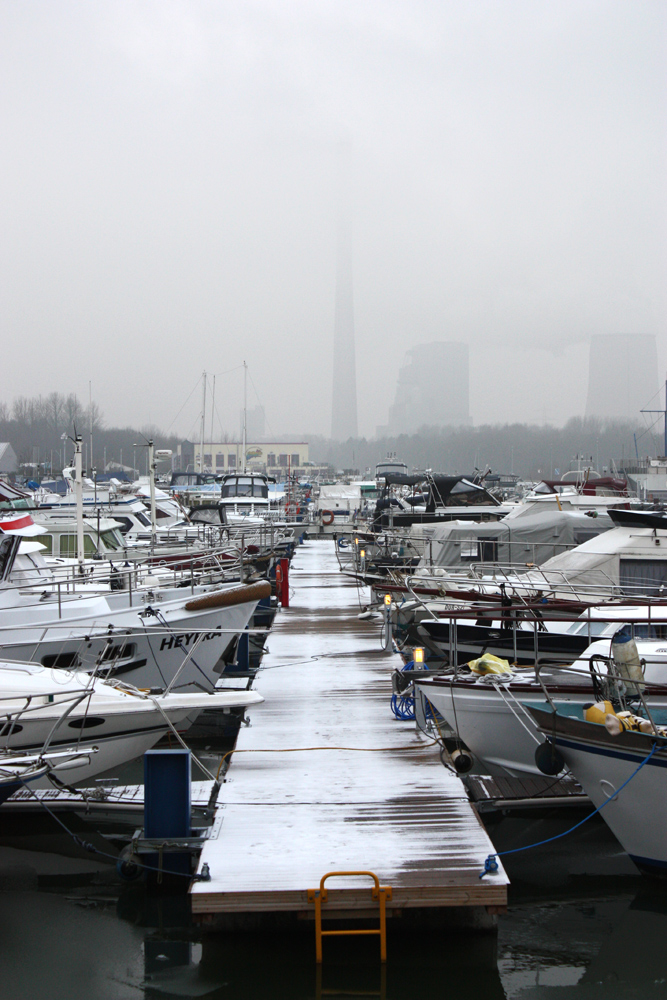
x=203, y=423
x=245, y=407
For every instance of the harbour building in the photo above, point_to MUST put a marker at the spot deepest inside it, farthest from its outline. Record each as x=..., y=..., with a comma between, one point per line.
x=272, y=457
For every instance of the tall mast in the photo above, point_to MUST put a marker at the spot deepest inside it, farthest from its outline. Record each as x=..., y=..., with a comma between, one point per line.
x=245, y=407
x=78, y=473
x=90, y=412
x=203, y=422
x=212, y=414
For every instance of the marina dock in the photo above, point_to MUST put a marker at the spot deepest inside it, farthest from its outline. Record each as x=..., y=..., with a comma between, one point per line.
x=326, y=780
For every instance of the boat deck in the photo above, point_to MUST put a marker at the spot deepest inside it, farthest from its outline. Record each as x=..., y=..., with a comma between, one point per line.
x=324, y=779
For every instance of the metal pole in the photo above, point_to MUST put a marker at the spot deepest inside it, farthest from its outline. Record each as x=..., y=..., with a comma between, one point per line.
x=245, y=406
x=203, y=421
x=78, y=472
x=90, y=411
x=151, y=479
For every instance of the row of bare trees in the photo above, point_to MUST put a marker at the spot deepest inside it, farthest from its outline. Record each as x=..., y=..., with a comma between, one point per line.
x=530, y=451
x=41, y=429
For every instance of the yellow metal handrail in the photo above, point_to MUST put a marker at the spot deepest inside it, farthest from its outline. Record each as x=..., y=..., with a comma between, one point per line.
x=381, y=893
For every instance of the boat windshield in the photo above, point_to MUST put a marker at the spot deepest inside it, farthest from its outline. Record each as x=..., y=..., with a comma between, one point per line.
x=245, y=486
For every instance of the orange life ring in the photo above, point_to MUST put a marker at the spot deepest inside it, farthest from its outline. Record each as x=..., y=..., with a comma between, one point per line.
x=279, y=575
x=327, y=517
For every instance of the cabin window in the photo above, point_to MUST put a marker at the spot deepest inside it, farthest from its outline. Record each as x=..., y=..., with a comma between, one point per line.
x=47, y=542
x=643, y=576
x=469, y=551
x=119, y=652
x=64, y=661
x=68, y=546
x=9, y=728
x=89, y=722
x=111, y=540
x=476, y=550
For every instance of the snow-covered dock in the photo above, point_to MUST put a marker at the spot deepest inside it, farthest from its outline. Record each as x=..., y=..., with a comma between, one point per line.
x=376, y=798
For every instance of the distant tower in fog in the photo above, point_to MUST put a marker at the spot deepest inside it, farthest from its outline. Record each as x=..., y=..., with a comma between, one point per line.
x=432, y=390
x=344, y=397
x=622, y=374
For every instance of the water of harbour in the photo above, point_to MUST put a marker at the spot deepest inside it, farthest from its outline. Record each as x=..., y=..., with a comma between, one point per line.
x=582, y=923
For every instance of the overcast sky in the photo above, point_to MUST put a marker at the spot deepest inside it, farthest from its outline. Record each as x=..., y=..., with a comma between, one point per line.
x=168, y=197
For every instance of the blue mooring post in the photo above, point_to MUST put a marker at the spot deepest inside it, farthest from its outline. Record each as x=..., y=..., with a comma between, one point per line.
x=243, y=653
x=167, y=807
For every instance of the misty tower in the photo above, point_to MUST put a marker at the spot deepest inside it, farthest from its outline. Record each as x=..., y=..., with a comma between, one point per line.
x=433, y=388
x=622, y=374
x=344, y=395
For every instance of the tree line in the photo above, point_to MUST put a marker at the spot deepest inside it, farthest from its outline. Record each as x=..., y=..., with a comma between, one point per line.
x=525, y=450
x=41, y=430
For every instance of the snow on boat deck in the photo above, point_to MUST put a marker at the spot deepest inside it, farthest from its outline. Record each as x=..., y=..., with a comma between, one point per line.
x=284, y=819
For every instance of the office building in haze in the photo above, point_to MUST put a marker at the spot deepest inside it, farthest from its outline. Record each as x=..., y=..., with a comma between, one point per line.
x=433, y=389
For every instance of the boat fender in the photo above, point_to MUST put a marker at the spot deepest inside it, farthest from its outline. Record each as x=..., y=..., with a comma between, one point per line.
x=327, y=517
x=548, y=759
x=463, y=761
x=598, y=712
x=400, y=681
x=626, y=658
x=490, y=664
x=127, y=866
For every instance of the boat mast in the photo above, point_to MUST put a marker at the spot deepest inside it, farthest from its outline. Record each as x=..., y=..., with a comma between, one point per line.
x=151, y=480
x=78, y=472
x=203, y=423
x=90, y=422
x=245, y=407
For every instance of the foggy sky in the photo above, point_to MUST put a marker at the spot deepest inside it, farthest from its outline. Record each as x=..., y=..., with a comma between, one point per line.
x=169, y=198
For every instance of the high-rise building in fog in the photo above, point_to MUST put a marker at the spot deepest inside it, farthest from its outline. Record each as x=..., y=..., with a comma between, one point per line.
x=433, y=388
x=622, y=374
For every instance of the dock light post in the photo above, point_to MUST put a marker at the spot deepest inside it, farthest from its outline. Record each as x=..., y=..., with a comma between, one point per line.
x=386, y=625
x=418, y=656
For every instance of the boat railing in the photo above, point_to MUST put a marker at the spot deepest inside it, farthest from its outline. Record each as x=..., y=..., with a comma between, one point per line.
x=609, y=684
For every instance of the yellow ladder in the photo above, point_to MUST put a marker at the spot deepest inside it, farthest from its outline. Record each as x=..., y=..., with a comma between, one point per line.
x=381, y=893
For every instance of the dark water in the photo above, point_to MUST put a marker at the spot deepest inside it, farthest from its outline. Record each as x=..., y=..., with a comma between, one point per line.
x=582, y=924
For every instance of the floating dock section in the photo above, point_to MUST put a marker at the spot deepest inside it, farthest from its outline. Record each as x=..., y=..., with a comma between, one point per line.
x=326, y=780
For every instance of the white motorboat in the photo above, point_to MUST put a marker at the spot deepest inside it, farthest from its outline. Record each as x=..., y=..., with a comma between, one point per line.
x=602, y=763
x=90, y=725
x=144, y=637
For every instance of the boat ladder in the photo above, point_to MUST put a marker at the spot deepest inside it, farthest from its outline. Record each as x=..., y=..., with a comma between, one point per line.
x=381, y=893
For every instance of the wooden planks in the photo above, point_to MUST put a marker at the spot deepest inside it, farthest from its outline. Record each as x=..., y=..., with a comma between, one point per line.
x=374, y=797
